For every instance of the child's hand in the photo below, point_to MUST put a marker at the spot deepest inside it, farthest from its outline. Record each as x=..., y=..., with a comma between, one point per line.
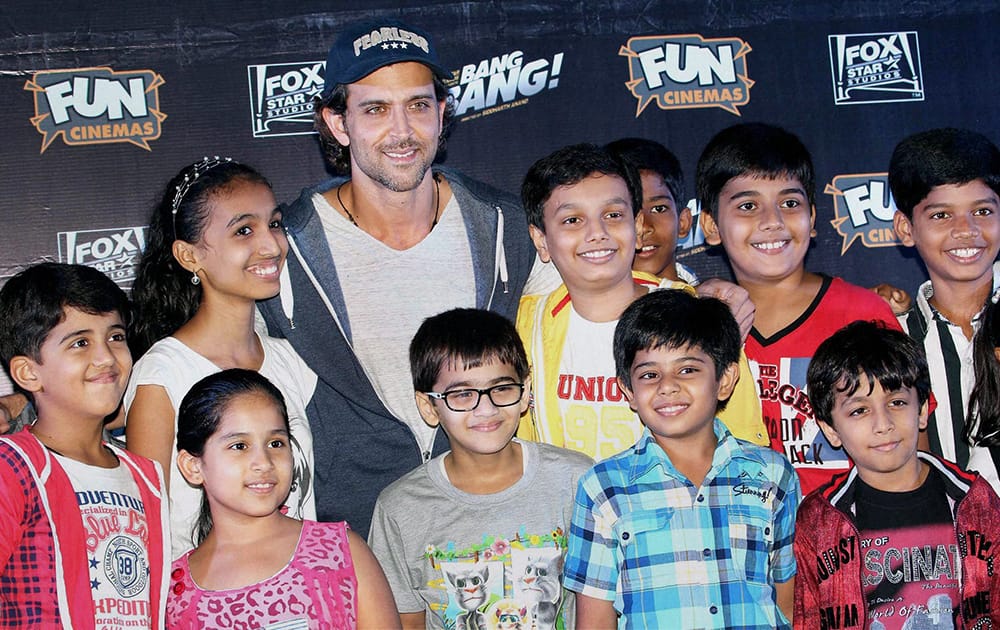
x=735, y=297
x=11, y=407
x=899, y=300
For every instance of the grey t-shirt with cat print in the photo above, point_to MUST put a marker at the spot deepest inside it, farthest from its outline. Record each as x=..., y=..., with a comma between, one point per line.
x=471, y=560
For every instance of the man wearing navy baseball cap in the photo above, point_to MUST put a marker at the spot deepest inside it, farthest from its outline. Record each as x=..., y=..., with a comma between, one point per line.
x=388, y=242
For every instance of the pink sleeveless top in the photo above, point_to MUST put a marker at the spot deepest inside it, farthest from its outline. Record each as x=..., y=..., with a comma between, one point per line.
x=316, y=589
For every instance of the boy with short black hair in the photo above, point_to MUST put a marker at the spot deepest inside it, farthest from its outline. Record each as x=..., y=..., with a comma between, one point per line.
x=946, y=183
x=691, y=527
x=904, y=539
x=82, y=523
x=757, y=192
x=479, y=532
x=581, y=205
x=664, y=217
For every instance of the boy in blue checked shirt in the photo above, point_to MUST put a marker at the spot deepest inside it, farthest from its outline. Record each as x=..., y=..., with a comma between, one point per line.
x=691, y=527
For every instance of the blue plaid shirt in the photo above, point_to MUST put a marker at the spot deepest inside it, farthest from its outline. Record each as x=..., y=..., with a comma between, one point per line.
x=671, y=555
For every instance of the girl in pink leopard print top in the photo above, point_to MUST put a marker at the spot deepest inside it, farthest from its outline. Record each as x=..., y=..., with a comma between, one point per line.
x=254, y=567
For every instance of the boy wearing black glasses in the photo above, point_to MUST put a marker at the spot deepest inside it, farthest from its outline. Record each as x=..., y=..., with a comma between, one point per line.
x=478, y=533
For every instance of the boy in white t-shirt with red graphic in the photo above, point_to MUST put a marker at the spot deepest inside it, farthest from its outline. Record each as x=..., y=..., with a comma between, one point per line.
x=581, y=204
x=82, y=523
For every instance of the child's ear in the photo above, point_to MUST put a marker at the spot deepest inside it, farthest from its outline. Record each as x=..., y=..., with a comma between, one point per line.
x=684, y=222
x=541, y=246
x=428, y=411
x=727, y=382
x=924, y=413
x=190, y=467
x=812, y=222
x=23, y=372
x=709, y=228
x=640, y=223
x=185, y=255
x=904, y=228
x=831, y=434
x=628, y=393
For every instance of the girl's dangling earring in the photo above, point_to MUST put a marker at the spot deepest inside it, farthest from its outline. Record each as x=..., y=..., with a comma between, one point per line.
x=195, y=280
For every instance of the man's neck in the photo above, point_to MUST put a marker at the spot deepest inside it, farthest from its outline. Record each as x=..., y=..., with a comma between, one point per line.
x=398, y=219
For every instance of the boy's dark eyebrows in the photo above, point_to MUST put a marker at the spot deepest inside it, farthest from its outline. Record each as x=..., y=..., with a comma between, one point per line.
x=843, y=398
x=610, y=201
x=756, y=193
x=744, y=194
x=90, y=331
x=666, y=197
x=645, y=364
x=985, y=201
x=469, y=385
x=795, y=190
x=76, y=333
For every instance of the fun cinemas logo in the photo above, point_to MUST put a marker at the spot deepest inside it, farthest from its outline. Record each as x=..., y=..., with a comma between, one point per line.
x=114, y=251
x=97, y=106
x=863, y=209
x=502, y=82
x=876, y=68
x=688, y=71
x=281, y=97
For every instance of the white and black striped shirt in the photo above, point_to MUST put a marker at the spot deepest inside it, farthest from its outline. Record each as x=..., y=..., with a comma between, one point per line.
x=949, y=358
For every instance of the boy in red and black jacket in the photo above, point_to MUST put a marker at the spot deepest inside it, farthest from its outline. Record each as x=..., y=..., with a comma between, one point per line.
x=903, y=535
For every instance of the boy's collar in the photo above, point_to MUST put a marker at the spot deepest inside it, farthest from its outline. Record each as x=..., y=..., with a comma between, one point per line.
x=638, y=277
x=648, y=455
x=926, y=291
x=842, y=490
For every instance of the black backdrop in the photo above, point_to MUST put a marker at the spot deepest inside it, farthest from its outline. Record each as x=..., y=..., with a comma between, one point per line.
x=103, y=104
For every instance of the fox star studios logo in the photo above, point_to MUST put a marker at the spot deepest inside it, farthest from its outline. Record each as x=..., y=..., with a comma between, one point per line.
x=688, y=71
x=863, y=207
x=281, y=97
x=502, y=82
x=115, y=251
x=97, y=106
x=876, y=68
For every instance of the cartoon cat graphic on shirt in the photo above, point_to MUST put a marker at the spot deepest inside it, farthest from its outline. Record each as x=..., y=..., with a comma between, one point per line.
x=539, y=588
x=468, y=585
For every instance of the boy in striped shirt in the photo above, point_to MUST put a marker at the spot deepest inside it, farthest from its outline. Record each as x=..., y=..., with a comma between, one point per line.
x=946, y=184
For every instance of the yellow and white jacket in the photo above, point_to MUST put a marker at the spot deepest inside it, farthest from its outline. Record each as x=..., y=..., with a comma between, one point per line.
x=543, y=322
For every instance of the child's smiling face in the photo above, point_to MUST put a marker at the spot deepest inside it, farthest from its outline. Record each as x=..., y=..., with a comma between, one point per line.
x=765, y=225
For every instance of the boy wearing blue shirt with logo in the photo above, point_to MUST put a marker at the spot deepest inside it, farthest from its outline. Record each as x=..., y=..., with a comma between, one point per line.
x=691, y=527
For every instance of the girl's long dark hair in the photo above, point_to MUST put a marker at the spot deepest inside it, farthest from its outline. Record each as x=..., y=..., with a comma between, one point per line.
x=982, y=426
x=163, y=297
